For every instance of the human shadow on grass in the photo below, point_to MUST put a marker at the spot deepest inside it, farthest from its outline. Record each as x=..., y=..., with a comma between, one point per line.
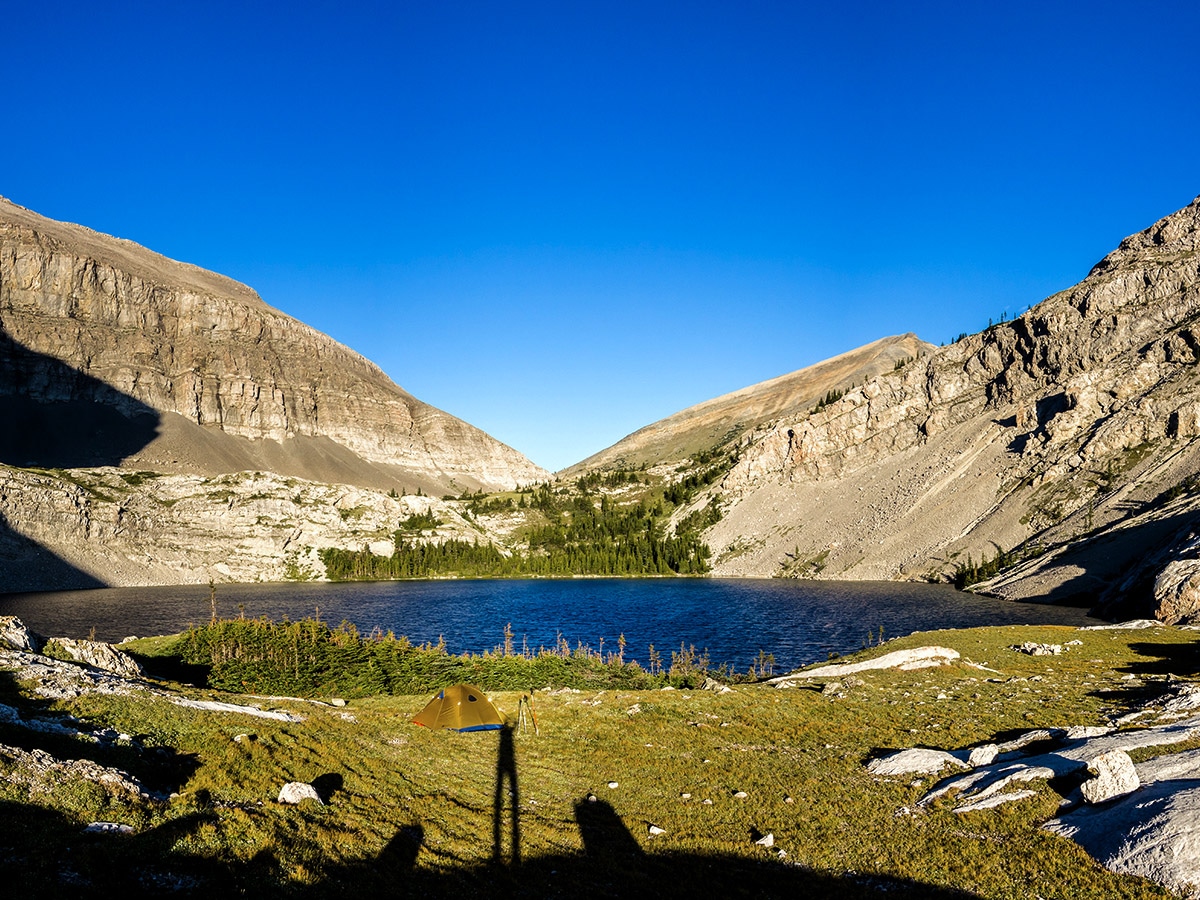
x=612, y=863
x=506, y=803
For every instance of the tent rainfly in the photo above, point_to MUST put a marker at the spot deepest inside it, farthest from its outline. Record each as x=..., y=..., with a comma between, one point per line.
x=463, y=707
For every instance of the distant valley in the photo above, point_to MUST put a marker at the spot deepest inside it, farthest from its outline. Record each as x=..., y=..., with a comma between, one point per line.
x=175, y=428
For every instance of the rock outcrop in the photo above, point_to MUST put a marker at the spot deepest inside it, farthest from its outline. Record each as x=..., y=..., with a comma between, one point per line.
x=96, y=654
x=88, y=321
x=139, y=529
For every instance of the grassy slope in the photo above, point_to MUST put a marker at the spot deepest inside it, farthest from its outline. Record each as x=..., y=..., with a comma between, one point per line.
x=412, y=811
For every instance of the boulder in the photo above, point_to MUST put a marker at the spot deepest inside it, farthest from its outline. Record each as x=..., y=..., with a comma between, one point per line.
x=1155, y=835
x=1035, y=649
x=1177, y=592
x=984, y=755
x=1115, y=777
x=711, y=684
x=295, y=791
x=96, y=654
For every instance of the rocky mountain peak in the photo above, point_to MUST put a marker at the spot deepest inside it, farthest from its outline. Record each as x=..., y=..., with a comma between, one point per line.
x=1074, y=416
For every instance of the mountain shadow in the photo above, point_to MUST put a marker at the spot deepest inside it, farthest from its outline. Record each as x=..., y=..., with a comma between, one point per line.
x=58, y=417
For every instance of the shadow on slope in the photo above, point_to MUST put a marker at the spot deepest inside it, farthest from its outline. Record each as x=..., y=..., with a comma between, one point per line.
x=1108, y=571
x=65, y=418
x=58, y=417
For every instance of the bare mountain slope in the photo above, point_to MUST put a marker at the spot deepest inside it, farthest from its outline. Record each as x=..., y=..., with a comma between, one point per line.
x=235, y=385
x=724, y=418
x=1074, y=418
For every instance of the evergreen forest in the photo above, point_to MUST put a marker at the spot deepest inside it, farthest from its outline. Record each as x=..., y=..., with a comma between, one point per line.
x=581, y=530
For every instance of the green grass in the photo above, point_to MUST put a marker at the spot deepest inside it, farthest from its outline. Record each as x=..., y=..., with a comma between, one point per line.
x=412, y=811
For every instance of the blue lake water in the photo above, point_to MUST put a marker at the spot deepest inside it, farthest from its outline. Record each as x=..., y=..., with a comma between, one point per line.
x=799, y=622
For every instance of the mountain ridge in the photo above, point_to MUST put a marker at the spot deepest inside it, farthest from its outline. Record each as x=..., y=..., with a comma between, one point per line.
x=721, y=419
x=205, y=351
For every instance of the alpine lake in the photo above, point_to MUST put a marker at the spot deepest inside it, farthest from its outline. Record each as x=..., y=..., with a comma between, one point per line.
x=733, y=620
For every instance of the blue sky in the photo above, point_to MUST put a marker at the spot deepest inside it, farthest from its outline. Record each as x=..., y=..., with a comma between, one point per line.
x=563, y=221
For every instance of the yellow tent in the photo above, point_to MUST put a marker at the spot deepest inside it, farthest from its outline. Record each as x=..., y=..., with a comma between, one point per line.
x=463, y=707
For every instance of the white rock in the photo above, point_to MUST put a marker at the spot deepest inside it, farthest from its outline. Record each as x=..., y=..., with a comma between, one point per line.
x=219, y=706
x=982, y=756
x=741, y=795
x=917, y=761
x=1115, y=777
x=994, y=800
x=1131, y=625
x=108, y=828
x=934, y=656
x=1154, y=833
x=296, y=791
x=1035, y=649
x=614, y=784
x=655, y=830
x=97, y=654
x=1076, y=732
x=767, y=840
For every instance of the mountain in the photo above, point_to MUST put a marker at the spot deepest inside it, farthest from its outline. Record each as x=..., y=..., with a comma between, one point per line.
x=714, y=422
x=94, y=326
x=1065, y=437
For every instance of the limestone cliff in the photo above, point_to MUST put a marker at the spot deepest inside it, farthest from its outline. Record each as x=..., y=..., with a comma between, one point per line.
x=139, y=528
x=1067, y=421
x=88, y=321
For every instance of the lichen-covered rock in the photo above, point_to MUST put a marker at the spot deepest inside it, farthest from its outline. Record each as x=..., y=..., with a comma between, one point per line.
x=41, y=772
x=15, y=636
x=96, y=654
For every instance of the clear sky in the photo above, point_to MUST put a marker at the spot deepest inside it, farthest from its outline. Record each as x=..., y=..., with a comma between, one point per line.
x=562, y=221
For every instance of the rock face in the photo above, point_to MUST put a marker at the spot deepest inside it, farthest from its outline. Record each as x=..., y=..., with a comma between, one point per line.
x=1078, y=416
x=138, y=529
x=725, y=418
x=221, y=381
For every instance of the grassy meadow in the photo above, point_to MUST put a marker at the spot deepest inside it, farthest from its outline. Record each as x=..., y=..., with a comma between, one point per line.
x=411, y=812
